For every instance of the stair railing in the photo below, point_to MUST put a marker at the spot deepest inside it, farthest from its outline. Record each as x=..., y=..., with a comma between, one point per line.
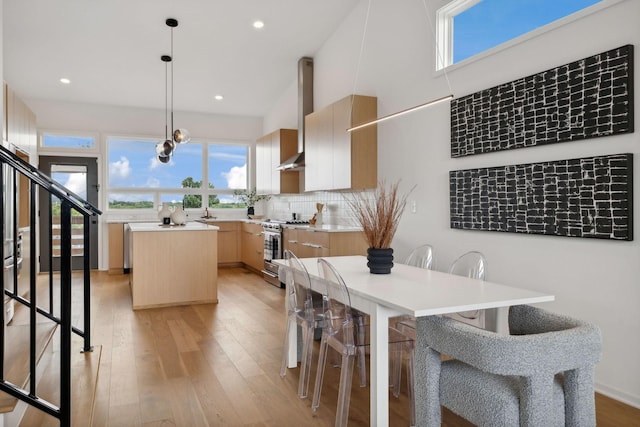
x=69, y=202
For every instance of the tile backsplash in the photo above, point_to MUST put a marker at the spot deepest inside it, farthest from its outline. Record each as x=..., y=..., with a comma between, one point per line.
x=336, y=209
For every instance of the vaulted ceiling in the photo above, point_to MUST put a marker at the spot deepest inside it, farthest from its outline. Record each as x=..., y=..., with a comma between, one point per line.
x=111, y=49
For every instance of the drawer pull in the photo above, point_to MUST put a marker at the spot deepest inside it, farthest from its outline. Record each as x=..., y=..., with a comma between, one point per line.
x=311, y=245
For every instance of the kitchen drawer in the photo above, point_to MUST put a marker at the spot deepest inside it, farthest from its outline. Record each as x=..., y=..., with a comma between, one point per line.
x=252, y=246
x=226, y=226
x=317, y=238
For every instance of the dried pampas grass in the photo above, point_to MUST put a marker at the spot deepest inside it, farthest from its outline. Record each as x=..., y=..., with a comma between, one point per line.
x=379, y=216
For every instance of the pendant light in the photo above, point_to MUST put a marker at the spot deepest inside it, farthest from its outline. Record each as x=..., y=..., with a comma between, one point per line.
x=165, y=149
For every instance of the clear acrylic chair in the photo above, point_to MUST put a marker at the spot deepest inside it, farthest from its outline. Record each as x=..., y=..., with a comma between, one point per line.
x=340, y=333
x=304, y=310
x=421, y=257
x=473, y=265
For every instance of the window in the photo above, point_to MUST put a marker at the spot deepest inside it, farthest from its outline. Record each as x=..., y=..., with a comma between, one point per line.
x=469, y=27
x=63, y=141
x=137, y=180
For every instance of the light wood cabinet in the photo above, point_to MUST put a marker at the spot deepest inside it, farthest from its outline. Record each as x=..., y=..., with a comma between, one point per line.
x=336, y=159
x=173, y=266
x=271, y=151
x=313, y=244
x=116, y=248
x=252, y=246
x=228, y=242
x=290, y=240
x=263, y=164
x=310, y=243
x=319, y=167
x=20, y=122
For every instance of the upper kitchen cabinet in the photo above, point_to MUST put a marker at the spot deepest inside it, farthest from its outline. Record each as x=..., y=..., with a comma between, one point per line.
x=20, y=122
x=336, y=159
x=271, y=151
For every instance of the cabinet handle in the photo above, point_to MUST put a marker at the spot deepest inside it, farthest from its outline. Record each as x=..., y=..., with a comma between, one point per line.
x=311, y=245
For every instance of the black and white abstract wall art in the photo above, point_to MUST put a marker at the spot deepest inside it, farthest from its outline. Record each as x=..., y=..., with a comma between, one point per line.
x=586, y=197
x=588, y=98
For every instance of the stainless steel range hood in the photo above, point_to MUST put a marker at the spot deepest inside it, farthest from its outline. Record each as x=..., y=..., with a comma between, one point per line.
x=305, y=106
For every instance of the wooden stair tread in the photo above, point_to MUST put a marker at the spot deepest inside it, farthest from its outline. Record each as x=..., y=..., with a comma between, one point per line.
x=17, y=356
x=84, y=381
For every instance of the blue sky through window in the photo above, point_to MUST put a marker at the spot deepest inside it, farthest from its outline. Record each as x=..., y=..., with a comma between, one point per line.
x=133, y=164
x=228, y=166
x=68, y=141
x=492, y=22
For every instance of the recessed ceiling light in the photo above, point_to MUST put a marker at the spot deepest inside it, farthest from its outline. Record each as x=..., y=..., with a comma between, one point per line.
x=258, y=24
x=218, y=97
x=65, y=81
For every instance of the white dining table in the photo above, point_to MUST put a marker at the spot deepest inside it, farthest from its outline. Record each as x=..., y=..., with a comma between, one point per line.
x=414, y=291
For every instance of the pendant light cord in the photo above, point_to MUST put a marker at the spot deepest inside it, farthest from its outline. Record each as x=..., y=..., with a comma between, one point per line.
x=172, y=128
x=364, y=35
x=355, y=81
x=166, y=100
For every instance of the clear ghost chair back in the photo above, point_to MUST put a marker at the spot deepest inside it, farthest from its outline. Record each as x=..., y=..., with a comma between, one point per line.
x=339, y=334
x=301, y=311
x=422, y=257
x=473, y=265
x=338, y=314
x=300, y=295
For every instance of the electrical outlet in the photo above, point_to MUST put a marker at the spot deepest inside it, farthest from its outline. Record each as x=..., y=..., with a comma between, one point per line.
x=414, y=206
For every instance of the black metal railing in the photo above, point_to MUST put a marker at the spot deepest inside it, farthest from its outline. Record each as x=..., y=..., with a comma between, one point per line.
x=13, y=165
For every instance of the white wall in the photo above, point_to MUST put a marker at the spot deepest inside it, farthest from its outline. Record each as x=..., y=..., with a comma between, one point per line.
x=139, y=121
x=594, y=280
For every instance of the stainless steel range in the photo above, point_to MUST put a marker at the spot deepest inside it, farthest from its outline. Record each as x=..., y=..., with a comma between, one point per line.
x=272, y=231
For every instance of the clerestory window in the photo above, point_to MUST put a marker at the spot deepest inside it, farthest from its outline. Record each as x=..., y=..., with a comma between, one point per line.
x=466, y=28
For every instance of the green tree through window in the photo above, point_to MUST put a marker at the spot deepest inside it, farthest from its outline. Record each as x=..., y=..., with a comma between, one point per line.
x=195, y=200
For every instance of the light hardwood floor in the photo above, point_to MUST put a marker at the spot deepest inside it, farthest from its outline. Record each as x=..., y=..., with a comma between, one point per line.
x=212, y=365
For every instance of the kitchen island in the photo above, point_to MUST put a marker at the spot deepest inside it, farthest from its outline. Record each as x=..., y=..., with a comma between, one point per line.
x=173, y=264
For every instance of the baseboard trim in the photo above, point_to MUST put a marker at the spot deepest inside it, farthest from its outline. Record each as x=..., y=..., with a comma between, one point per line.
x=620, y=396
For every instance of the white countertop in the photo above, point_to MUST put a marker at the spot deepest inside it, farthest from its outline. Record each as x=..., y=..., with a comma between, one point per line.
x=211, y=221
x=156, y=226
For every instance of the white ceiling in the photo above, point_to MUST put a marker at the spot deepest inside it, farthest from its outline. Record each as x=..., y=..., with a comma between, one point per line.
x=110, y=50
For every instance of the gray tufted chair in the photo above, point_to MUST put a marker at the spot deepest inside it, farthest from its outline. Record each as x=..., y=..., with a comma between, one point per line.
x=542, y=374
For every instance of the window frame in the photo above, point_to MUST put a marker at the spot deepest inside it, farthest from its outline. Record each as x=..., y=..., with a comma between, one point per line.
x=444, y=31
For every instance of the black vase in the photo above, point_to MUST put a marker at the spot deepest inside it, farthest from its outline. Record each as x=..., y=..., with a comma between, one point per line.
x=380, y=260
x=250, y=211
